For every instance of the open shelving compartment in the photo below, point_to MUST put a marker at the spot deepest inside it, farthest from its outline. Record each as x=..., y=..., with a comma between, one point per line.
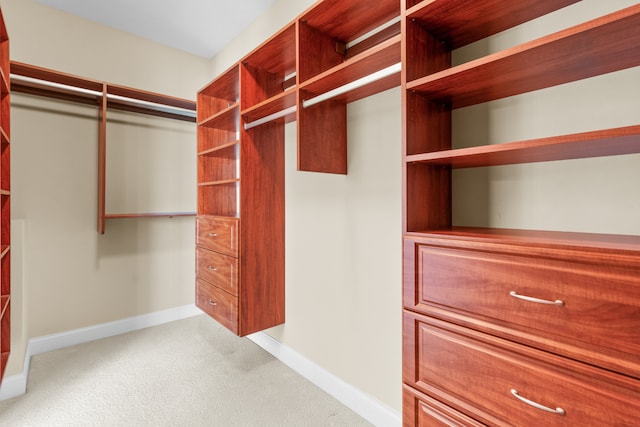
x=5, y=200
x=218, y=146
x=346, y=51
x=434, y=89
x=39, y=81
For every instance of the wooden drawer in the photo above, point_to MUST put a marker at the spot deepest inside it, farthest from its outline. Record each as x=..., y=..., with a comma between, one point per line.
x=218, y=234
x=420, y=410
x=594, y=307
x=217, y=269
x=218, y=304
x=479, y=375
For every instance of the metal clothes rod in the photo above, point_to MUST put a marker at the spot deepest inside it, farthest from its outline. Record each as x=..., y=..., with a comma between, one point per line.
x=270, y=117
x=378, y=75
x=131, y=101
x=374, y=32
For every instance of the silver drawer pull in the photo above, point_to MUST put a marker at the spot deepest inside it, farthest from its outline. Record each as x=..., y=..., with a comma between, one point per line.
x=213, y=235
x=557, y=302
x=211, y=268
x=212, y=302
x=558, y=410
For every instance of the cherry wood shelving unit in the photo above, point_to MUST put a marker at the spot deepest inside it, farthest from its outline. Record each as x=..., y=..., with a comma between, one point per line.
x=5, y=197
x=484, y=306
x=241, y=118
x=45, y=82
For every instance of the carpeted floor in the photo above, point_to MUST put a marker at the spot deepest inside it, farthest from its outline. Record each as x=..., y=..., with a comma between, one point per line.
x=187, y=373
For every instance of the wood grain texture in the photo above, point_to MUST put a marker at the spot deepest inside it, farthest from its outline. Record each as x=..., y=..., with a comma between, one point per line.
x=603, y=45
x=218, y=234
x=217, y=303
x=277, y=55
x=348, y=20
x=217, y=269
x=460, y=22
x=219, y=94
x=419, y=409
x=316, y=52
x=374, y=59
x=262, y=219
x=600, y=313
x=474, y=373
x=608, y=142
x=5, y=200
x=322, y=137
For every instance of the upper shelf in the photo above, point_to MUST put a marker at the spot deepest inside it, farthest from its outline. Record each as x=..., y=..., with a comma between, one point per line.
x=220, y=94
x=609, y=142
x=606, y=44
x=460, y=22
x=349, y=20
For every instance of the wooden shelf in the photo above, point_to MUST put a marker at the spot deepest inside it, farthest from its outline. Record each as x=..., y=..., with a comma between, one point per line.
x=221, y=182
x=600, y=46
x=148, y=215
x=225, y=119
x=266, y=72
x=609, y=142
x=349, y=20
x=224, y=93
x=218, y=148
x=460, y=22
x=275, y=104
x=374, y=59
x=543, y=239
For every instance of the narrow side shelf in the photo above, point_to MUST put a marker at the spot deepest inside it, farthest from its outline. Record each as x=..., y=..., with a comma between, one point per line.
x=218, y=148
x=609, y=142
x=606, y=44
x=225, y=119
x=274, y=105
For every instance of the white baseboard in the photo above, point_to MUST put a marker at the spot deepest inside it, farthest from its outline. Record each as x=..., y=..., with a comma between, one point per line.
x=363, y=404
x=16, y=385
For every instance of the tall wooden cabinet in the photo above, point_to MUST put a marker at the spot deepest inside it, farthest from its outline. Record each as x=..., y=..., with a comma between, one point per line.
x=511, y=327
x=240, y=223
x=241, y=118
x=5, y=197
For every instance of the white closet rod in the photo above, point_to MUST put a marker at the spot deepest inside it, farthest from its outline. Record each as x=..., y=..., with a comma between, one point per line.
x=378, y=75
x=147, y=104
x=373, y=32
x=270, y=117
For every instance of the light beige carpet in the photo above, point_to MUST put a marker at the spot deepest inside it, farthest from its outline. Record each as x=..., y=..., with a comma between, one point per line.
x=190, y=373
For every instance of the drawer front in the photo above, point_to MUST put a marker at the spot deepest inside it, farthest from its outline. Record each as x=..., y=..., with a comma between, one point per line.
x=218, y=234
x=220, y=270
x=563, y=299
x=218, y=304
x=494, y=377
x=420, y=410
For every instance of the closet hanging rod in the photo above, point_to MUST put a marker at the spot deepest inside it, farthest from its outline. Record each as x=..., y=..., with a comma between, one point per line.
x=395, y=21
x=270, y=117
x=118, y=99
x=356, y=84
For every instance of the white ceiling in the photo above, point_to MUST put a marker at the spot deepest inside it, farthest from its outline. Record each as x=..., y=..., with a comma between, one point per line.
x=201, y=27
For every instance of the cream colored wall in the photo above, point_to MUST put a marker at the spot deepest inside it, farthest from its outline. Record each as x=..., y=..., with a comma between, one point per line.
x=65, y=275
x=597, y=195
